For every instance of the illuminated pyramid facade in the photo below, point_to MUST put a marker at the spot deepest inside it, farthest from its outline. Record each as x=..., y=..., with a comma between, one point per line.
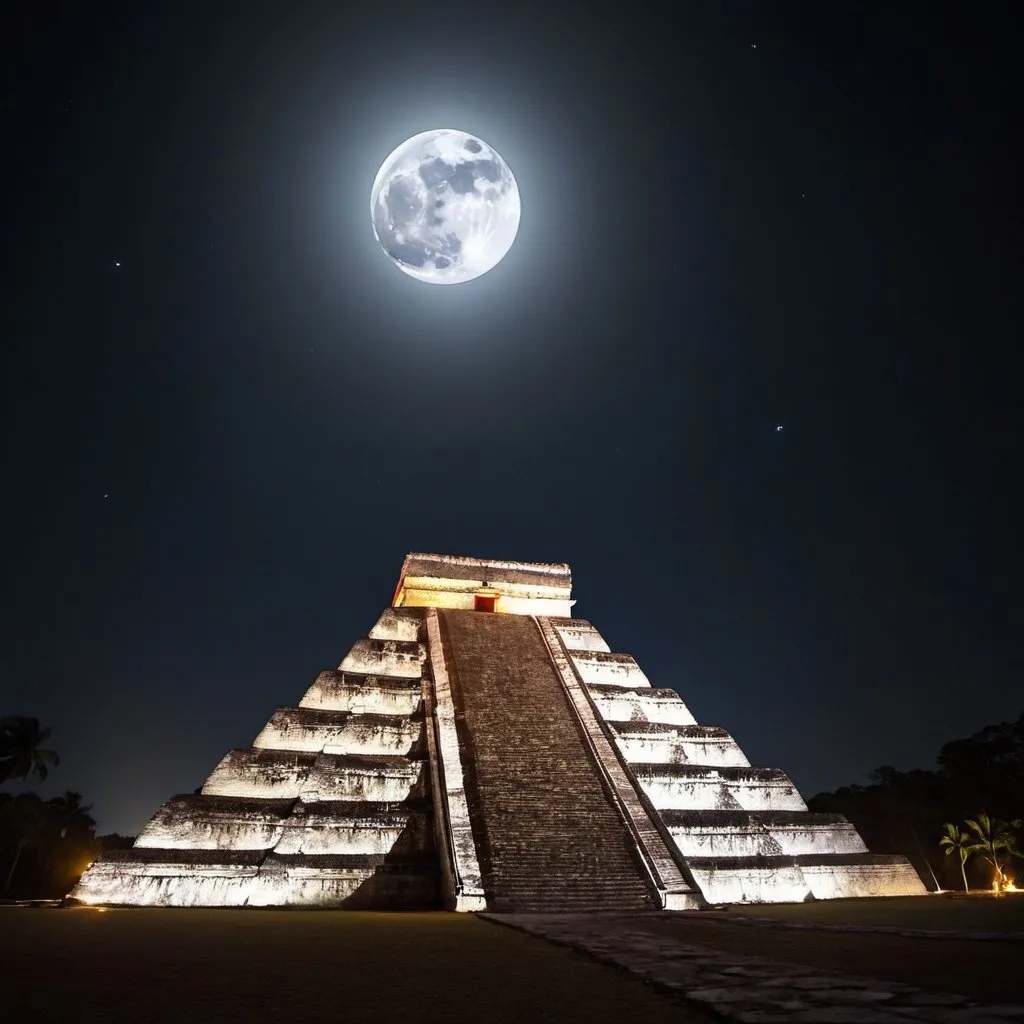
x=482, y=749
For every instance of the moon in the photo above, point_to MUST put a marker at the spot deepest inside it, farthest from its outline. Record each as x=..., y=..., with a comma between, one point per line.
x=445, y=207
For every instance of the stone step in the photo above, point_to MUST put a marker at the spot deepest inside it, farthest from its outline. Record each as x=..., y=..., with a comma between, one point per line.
x=399, y=658
x=579, y=635
x=761, y=833
x=600, y=668
x=668, y=743
x=794, y=879
x=288, y=826
x=640, y=704
x=265, y=773
x=689, y=787
x=541, y=819
x=215, y=823
x=335, y=732
x=337, y=827
x=363, y=694
x=399, y=624
x=211, y=878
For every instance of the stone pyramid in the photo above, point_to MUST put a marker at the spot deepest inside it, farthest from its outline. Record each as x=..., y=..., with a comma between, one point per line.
x=482, y=749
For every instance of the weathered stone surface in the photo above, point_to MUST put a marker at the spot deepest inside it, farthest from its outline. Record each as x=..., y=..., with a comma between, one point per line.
x=652, y=743
x=216, y=823
x=598, y=668
x=639, y=704
x=260, y=773
x=362, y=694
x=546, y=833
x=285, y=774
x=752, y=989
x=399, y=624
x=399, y=658
x=335, y=732
x=714, y=788
x=579, y=635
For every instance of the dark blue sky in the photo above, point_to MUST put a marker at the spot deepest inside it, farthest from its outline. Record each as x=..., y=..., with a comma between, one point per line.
x=735, y=216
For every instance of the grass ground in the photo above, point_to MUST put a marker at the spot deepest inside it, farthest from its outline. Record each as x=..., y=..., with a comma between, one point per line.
x=954, y=912
x=252, y=965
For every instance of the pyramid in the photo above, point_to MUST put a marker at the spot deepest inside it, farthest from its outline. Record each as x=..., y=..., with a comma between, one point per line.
x=483, y=749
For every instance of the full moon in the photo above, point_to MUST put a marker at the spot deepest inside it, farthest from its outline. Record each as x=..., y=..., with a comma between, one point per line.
x=445, y=207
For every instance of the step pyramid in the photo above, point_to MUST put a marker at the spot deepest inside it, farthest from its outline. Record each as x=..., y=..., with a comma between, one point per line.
x=483, y=749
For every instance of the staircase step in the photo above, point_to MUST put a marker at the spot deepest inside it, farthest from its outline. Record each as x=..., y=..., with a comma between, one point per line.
x=548, y=837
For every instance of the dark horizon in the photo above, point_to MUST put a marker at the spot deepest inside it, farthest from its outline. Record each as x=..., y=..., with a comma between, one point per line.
x=229, y=418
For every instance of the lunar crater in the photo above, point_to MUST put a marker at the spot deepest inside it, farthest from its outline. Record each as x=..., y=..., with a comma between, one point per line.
x=442, y=215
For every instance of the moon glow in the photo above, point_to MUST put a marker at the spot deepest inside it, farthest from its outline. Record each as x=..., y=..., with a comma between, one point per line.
x=445, y=207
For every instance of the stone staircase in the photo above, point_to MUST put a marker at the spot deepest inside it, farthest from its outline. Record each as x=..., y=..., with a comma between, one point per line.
x=547, y=836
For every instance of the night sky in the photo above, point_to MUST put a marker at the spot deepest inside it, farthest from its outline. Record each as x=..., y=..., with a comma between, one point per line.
x=227, y=416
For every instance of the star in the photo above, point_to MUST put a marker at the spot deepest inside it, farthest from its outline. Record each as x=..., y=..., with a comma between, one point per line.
x=779, y=428
x=117, y=263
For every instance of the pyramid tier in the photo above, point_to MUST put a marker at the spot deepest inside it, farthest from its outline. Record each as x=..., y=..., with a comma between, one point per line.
x=866, y=874
x=795, y=879
x=337, y=732
x=225, y=878
x=363, y=694
x=329, y=827
x=579, y=635
x=638, y=704
x=598, y=668
x=700, y=787
x=399, y=658
x=361, y=827
x=665, y=743
x=216, y=823
x=264, y=773
x=761, y=834
x=399, y=624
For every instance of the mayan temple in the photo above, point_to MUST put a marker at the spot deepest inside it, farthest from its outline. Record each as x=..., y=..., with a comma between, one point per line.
x=482, y=749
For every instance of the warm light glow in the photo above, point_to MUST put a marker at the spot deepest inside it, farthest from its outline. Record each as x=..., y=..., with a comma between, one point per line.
x=1003, y=883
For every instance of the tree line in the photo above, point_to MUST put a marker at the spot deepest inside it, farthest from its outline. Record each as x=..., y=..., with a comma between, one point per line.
x=45, y=845
x=960, y=824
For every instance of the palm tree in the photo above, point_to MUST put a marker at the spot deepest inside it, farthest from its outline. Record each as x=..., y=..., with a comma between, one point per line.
x=962, y=842
x=68, y=815
x=21, y=754
x=990, y=836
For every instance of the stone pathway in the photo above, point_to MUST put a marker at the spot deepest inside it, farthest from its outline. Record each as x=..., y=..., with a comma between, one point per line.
x=753, y=989
x=882, y=929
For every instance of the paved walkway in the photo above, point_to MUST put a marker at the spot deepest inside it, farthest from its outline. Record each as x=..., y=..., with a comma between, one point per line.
x=752, y=989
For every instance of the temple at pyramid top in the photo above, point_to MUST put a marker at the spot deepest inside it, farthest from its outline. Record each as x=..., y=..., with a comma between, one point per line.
x=511, y=588
x=480, y=748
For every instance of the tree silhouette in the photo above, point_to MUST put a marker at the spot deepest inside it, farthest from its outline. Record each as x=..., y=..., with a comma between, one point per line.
x=23, y=825
x=962, y=842
x=990, y=837
x=21, y=752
